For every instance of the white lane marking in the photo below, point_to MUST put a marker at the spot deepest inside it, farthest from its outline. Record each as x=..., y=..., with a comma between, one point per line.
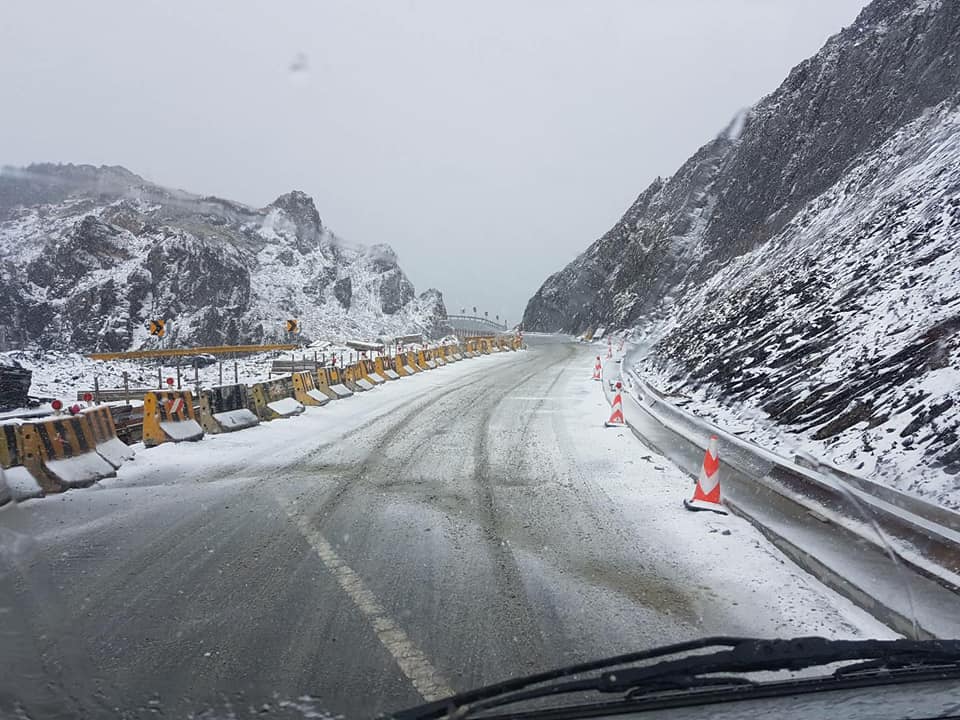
x=412, y=662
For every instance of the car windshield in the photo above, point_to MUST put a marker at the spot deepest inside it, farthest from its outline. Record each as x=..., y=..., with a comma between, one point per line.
x=356, y=356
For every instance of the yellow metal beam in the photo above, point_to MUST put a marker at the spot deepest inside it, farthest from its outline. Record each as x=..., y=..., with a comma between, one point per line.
x=183, y=352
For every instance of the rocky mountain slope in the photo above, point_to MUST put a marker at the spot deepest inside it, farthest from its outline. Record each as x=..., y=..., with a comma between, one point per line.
x=89, y=255
x=805, y=263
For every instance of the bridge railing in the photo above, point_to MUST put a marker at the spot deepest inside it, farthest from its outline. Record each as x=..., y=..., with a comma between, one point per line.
x=481, y=320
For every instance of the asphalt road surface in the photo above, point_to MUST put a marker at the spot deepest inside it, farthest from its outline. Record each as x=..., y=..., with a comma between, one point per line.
x=455, y=538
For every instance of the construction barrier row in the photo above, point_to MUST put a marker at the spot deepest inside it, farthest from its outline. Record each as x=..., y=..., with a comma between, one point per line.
x=75, y=450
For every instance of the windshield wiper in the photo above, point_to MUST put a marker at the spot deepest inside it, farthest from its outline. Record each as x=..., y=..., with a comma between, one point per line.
x=742, y=655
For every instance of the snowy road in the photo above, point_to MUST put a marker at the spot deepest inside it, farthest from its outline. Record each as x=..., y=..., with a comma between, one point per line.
x=438, y=533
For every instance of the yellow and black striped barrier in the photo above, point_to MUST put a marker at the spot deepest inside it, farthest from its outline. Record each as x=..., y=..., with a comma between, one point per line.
x=10, y=450
x=61, y=453
x=110, y=447
x=168, y=416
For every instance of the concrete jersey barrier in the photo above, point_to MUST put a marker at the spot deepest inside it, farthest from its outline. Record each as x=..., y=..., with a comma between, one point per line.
x=356, y=374
x=60, y=453
x=226, y=408
x=10, y=451
x=323, y=384
x=422, y=363
x=21, y=482
x=110, y=447
x=403, y=366
x=335, y=383
x=347, y=377
x=370, y=372
x=168, y=416
x=274, y=399
x=305, y=390
x=383, y=369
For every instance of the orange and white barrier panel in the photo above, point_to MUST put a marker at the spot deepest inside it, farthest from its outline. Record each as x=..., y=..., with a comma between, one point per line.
x=616, y=414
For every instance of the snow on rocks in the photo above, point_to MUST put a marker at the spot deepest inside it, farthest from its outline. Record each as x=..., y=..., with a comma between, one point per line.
x=842, y=329
x=87, y=268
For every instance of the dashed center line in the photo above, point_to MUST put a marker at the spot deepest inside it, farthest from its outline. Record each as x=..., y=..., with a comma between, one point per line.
x=412, y=662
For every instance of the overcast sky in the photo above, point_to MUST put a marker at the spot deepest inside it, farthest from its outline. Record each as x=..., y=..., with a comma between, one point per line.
x=488, y=142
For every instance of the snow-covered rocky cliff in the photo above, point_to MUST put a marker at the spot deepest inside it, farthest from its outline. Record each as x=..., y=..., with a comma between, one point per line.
x=89, y=255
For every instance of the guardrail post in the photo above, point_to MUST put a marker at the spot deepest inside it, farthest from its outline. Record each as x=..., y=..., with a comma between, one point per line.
x=221, y=372
x=160, y=377
x=236, y=374
x=196, y=376
x=178, y=373
x=96, y=389
x=126, y=388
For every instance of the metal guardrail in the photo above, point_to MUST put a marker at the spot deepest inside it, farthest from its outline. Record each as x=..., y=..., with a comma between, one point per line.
x=910, y=503
x=187, y=352
x=822, y=480
x=115, y=394
x=909, y=519
x=283, y=367
x=479, y=320
x=774, y=494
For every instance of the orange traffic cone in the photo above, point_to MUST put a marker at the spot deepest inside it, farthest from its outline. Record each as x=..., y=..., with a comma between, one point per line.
x=706, y=495
x=596, y=369
x=616, y=417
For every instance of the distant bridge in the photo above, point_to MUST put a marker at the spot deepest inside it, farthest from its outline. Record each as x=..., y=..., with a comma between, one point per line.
x=465, y=326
